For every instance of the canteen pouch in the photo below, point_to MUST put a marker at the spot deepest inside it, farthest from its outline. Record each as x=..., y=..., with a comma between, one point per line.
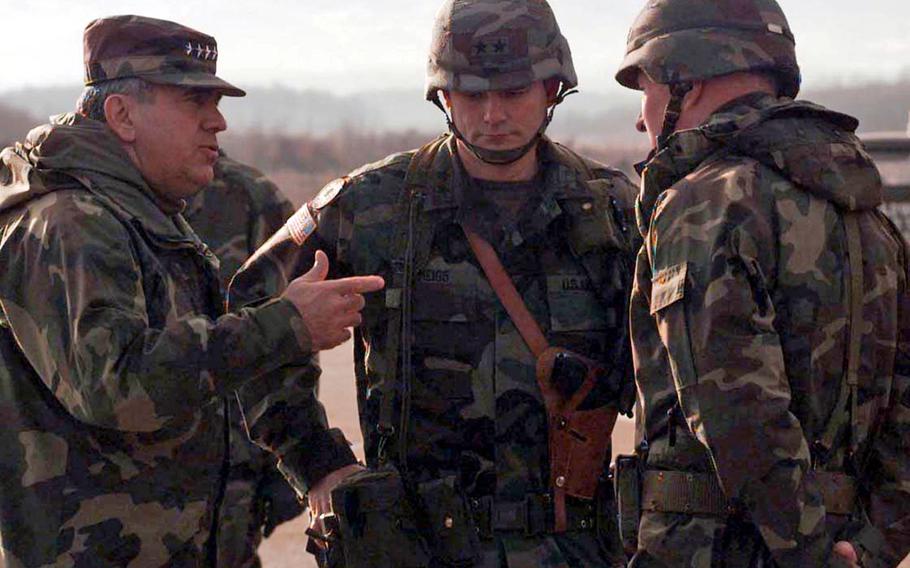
x=449, y=525
x=606, y=518
x=627, y=486
x=377, y=525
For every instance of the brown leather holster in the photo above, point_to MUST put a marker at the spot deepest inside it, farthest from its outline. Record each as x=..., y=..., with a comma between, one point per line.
x=578, y=439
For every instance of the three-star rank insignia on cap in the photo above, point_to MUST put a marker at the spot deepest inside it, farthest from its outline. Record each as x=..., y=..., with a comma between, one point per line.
x=200, y=51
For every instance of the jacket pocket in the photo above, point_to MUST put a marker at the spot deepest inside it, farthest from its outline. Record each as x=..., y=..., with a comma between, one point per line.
x=445, y=293
x=575, y=306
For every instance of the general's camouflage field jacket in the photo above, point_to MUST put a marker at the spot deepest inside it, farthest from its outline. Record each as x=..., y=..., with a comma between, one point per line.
x=115, y=359
x=739, y=330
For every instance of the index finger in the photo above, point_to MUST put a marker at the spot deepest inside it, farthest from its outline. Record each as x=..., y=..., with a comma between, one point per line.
x=356, y=284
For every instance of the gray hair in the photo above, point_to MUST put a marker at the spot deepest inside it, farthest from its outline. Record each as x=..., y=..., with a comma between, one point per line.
x=91, y=101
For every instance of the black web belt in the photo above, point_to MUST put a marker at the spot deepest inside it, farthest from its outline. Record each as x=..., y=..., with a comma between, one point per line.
x=701, y=494
x=533, y=516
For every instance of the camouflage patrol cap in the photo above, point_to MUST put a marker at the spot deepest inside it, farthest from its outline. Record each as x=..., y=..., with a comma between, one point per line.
x=690, y=40
x=485, y=45
x=158, y=51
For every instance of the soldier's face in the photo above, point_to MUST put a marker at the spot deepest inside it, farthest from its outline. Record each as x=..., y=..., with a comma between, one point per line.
x=654, y=99
x=499, y=120
x=176, y=143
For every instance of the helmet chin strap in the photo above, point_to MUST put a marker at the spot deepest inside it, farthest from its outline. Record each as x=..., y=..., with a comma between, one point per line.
x=510, y=156
x=678, y=92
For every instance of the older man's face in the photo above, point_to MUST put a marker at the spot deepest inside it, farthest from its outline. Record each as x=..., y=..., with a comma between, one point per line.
x=654, y=99
x=176, y=143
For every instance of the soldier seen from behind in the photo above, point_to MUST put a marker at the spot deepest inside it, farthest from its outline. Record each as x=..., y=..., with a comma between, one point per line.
x=490, y=372
x=234, y=215
x=770, y=312
x=116, y=360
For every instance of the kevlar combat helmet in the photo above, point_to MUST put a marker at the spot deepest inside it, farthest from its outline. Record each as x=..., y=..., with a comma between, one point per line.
x=487, y=45
x=679, y=41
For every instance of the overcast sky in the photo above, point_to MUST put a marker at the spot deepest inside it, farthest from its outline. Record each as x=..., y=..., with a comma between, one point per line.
x=351, y=45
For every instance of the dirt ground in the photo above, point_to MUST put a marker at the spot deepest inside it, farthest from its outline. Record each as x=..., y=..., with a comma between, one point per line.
x=286, y=548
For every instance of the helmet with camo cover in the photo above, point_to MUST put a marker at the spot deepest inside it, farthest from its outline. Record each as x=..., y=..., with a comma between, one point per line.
x=491, y=45
x=486, y=45
x=678, y=41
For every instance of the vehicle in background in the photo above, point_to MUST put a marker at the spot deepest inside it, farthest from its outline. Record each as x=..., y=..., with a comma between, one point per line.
x=891, y=152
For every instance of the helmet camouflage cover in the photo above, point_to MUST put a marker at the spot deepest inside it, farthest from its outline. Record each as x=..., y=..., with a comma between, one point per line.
x=485, y=45
x=689, y=40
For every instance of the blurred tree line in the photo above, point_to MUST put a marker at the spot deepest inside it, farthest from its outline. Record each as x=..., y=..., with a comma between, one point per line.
x=302, y=163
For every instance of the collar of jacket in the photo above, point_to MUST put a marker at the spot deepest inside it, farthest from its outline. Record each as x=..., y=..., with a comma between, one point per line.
x=735, y=127
x=445, y=181
x=445, y=184
x=85, y=150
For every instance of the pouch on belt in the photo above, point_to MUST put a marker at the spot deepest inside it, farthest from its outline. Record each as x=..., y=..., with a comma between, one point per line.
x=627, y=483
x=448, y=523
x=377, y=523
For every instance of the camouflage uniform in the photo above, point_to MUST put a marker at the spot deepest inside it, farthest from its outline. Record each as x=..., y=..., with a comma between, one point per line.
x=234, y=215
x=450, y=396
x=741, y=322
x=115, y=358
x=476, y=410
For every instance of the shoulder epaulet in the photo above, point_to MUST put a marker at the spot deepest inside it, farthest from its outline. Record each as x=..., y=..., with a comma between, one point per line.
x=587, y=168
x=569, y=158
x=397, y=161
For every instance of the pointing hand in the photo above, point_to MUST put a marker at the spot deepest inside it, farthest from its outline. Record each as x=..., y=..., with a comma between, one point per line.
x=330, y=307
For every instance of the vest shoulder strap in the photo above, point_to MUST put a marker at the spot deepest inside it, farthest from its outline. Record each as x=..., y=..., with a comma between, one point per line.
x=396, y=386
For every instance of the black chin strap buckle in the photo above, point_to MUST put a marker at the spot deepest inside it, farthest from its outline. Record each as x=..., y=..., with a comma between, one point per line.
x=678, y=92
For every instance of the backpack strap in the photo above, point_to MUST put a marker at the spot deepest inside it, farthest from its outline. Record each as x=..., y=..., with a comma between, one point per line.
x=857, y=291
x=843, y=415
